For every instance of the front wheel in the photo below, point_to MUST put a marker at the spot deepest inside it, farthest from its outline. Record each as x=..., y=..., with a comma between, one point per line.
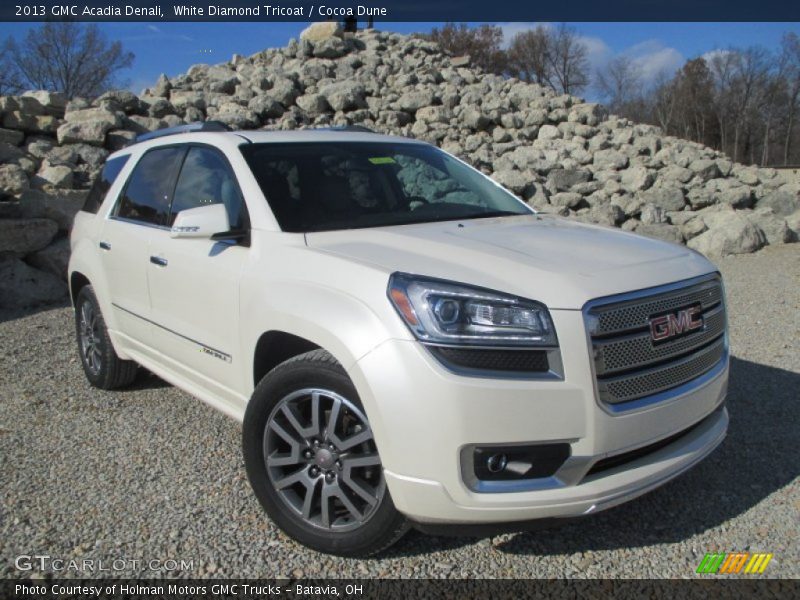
x=312, y=461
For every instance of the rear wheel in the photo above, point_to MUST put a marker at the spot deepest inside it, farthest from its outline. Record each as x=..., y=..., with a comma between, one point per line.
x=103, y=368
x=312, y=460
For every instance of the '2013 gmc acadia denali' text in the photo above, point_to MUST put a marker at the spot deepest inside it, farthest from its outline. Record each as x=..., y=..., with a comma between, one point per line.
x=404, y=340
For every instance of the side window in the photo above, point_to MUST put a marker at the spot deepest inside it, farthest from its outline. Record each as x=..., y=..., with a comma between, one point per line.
x=205, y=179
x=147, y=195
x=103, y=183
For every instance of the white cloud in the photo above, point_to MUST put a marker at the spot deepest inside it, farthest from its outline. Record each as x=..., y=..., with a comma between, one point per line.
x=154, y=28
x=653, y=58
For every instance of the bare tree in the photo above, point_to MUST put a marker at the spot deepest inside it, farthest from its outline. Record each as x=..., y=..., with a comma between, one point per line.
x=528, y=55
x=569, y=65
x=482, y=44
x=790, y=67
x=68, y=57
x=9, y=76
x=619, y=83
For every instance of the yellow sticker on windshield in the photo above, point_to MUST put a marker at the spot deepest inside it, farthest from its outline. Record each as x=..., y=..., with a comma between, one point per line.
x=382, y=160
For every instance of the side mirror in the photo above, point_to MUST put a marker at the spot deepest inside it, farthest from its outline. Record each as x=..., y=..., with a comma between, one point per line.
x=201, y=222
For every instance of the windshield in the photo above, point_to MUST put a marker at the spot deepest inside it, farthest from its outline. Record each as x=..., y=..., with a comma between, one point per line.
x=328, y=186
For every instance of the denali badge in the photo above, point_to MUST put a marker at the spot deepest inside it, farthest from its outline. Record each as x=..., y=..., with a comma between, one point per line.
x=670, y=325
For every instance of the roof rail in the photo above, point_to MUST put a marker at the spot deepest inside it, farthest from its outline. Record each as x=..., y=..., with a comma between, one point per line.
x=353, y=128
x=188, y=128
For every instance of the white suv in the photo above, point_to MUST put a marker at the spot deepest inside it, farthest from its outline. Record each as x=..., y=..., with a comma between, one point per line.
x=404, y=340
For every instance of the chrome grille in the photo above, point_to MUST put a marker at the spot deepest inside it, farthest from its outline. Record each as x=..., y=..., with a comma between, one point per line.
x=629, y=366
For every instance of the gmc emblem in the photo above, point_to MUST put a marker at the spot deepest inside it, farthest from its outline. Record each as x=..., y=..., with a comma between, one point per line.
x=671, y=325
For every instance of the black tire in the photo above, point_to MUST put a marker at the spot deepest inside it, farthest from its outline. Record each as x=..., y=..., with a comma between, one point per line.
x=318, y=370
x=103, y=368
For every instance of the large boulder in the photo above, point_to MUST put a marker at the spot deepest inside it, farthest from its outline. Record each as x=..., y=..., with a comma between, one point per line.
x=23, y=236
x=53, y=259
x=22, y=286
x=317, y=32
x=88, y=125
x=728, y=233
x=783, y=201
x=59, y=206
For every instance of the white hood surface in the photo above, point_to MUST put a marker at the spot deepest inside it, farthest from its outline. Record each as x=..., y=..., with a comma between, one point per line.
x=558, y=262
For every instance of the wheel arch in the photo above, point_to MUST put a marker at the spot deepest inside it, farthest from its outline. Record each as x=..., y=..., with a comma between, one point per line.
x=275, y=347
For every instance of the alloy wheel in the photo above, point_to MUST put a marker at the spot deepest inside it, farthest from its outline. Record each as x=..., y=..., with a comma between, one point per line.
x=322, y=461
x=89, y=327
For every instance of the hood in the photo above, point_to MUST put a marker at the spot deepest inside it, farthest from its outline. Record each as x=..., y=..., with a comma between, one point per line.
x=559, y=262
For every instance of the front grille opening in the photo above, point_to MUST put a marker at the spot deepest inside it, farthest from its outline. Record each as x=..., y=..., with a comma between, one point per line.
x=518, y=463
x=628, y=364
x=619, y=460
x=493, y=360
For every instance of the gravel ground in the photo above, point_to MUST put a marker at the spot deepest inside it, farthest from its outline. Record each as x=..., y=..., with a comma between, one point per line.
x=150, y=473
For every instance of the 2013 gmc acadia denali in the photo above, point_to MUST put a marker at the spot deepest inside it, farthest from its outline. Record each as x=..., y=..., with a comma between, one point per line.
x=404, y=340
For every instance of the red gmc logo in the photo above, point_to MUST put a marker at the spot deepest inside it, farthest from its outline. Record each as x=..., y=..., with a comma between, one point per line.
x=668, y=326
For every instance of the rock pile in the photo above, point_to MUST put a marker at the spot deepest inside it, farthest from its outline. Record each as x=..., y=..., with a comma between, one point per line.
x=557, y=152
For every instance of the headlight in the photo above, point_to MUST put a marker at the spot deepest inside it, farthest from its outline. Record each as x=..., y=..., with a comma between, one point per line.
x=442, y=312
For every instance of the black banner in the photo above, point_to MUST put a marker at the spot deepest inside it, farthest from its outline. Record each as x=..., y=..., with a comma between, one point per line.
x=494, y=589
x=399, y=10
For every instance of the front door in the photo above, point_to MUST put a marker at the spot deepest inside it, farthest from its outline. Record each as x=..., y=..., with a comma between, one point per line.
x=194, y=283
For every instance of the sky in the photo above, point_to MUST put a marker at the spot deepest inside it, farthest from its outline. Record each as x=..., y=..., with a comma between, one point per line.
x=172, y=47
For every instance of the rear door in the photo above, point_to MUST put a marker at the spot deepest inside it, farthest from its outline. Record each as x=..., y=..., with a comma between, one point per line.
x=194, y=283
x=141, y=209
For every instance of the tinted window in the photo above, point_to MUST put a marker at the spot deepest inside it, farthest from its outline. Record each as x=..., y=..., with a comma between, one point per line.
x=206, y=179
x=346, y=185
x=103, y=183
x=147, y=195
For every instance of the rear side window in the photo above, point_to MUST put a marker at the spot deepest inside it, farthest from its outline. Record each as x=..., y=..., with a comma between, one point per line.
x=207, y=179
x=147, y=195
x=103, y=183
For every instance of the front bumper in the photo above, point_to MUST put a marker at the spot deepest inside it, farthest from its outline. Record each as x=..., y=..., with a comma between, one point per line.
x=423, y=415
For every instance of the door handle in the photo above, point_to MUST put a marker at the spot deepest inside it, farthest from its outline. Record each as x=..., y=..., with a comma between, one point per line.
x=105, y=246
x=157, y=260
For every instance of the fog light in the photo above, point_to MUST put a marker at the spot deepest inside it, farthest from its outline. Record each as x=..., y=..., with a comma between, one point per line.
x=509, y=463
x=496, y=463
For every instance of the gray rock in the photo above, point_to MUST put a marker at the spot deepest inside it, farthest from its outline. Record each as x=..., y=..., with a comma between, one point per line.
x=668, y=199
x=728, y=233
x=414, y=100
x=22, y=286
x=566, y=199
x=317, y=32
x=116, y=139
x=344, y=95
x=774, y=226
x=661, y=231
x=10, y=136
x=331, y=47
x=549, y=132
x=475, y=119
x=57, y=176
x=266, y=107
x=13, y=180
x=705, y=169
x=652, y=215
x=562, y=180
x=737, y=196
x=634, y=179
x=609, y=159
x=23, y=236
x=783, y=202
x=515, y=181
x=53, y=259
x=59, y=206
